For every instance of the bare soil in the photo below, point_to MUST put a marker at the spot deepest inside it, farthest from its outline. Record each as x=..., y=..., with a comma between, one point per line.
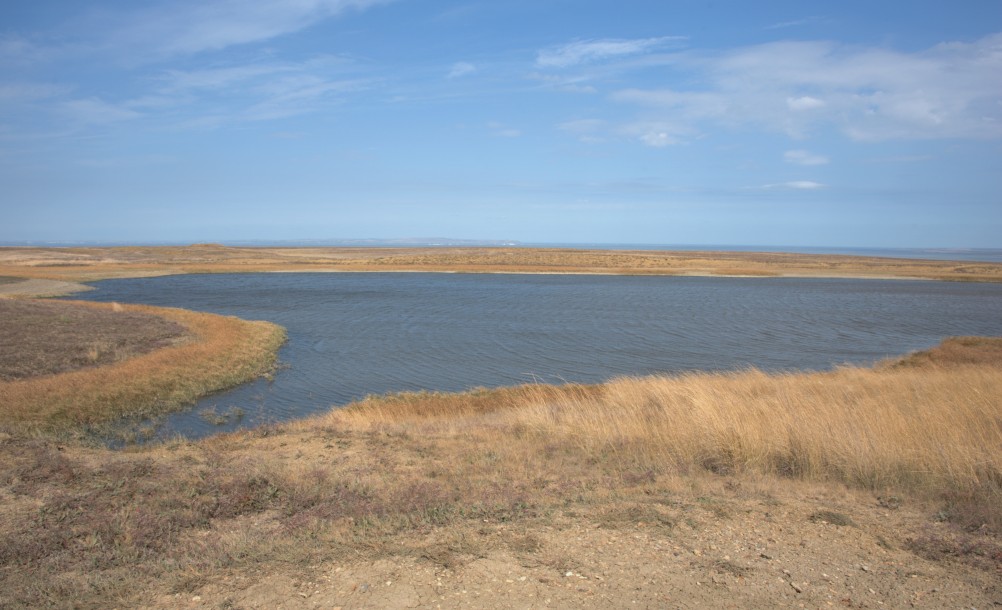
x=48, y=337
x=343, y=519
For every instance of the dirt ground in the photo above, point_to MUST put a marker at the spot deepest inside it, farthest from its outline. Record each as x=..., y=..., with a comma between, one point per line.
x=726, y=543
x=586, y=539
x=692, y=541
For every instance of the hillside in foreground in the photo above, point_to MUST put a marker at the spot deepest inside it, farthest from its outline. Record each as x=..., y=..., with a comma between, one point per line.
x=858, y=488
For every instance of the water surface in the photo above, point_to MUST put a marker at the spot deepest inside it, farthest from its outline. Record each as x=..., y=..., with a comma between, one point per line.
x=353, y=334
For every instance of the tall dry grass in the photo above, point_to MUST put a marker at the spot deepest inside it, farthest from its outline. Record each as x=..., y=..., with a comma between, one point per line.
x=929, y=425
x=223, y=352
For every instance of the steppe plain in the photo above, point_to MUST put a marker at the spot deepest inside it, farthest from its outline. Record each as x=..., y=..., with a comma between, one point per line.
x=853, y=488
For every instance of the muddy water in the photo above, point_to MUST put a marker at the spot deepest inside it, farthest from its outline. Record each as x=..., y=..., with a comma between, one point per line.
x=367, y=333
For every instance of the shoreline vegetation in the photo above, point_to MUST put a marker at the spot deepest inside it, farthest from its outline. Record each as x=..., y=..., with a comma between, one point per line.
x=72, y=365
x=46, y=265
x=755, y=489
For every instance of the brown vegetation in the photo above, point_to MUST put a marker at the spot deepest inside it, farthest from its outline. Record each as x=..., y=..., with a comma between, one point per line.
x=212, y=353
x=87, y=264
x=47, y=337
x=929, y=427
x=848, y=488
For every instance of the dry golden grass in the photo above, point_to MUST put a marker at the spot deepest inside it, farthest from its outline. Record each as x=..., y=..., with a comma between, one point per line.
x=221, y=352
x=87, y=264
x=745, y=466
x=931, y=426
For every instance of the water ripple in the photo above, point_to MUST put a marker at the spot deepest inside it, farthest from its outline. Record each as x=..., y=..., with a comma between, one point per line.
x=356, y=334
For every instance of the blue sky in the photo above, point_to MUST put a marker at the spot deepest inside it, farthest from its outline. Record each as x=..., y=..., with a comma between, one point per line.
x=670, y=122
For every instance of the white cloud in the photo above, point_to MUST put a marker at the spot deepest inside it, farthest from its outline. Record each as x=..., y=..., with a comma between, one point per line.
x=948, y=91
x=804, y=102
x=587, y=51
x=802, y=157
x=460, y=69
x=657, y=139
x=796, y=185
x=656, y=134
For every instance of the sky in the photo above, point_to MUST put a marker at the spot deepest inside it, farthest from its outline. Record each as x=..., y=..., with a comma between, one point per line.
x=857, y=124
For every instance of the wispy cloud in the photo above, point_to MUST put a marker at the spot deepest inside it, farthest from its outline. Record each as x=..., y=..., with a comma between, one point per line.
x=948, y=91
x=29, y=92
x=211, y=97
x=193, y=26
x=93, y=111
x=588, y=51
x=683, y=104
x=460, y=69
x=586, y=130
x=18, y=50
x=802, y=157
x=656, y=134
x=804, y=103
x=795, y=185
x=578, y=83
x=503, y=131
x=179, y=81
x=795, y=23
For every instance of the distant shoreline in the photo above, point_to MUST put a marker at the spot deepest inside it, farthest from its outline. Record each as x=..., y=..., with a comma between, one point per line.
x=78, y=266
x=983, y=255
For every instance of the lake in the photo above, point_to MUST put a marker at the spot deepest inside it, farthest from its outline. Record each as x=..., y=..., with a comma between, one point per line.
x=353, y=334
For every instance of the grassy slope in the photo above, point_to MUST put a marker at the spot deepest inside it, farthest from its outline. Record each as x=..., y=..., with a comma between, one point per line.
x=386, y=478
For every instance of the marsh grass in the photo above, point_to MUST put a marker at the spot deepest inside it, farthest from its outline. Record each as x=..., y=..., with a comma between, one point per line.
x=929, y=424
x=197, y=353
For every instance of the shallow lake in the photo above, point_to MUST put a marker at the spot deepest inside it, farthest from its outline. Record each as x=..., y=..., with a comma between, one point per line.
x=353, y=334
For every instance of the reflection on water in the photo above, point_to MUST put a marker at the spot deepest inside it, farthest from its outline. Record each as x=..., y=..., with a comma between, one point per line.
x=355, y=334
